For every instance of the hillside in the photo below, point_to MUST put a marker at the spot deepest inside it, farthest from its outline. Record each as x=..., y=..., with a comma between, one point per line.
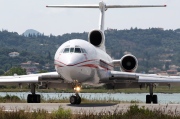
x=31, y=32
x=153, y=47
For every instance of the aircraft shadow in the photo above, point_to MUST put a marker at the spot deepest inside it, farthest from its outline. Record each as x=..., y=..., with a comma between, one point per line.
x=93, y=105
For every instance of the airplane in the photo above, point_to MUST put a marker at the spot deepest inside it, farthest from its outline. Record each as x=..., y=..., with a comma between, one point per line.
x=86, y=62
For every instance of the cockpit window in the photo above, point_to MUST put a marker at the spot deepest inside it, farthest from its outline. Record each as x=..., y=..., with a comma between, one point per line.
x=77, y=50
x=83, y=50
x=61, y=51
x=74, y=50
x=71, y=50
x=66, y=50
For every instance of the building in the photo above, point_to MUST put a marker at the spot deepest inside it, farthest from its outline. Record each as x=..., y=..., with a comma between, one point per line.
x=14, y=54
x=172, y=72
x=154, y=70
x=31, y=67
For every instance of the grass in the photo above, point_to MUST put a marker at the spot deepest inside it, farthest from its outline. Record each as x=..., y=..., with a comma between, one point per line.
x=133, y=112
x=9, y=99
x=36, y=114
x=158, y=89
x=16, y=99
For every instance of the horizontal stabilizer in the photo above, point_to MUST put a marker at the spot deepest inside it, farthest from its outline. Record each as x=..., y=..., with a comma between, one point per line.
x=73, y=6
x=107, y=6
x=133, y=6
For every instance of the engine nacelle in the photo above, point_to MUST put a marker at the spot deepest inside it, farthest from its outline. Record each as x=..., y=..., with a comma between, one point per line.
x=128, y=63
x=96, y=38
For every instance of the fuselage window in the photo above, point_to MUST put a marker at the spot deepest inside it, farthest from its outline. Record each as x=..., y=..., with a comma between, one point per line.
x=66, y=50
x=71, y=50
x=77, y=50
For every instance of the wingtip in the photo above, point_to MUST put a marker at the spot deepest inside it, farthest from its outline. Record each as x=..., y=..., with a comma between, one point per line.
x=165, y=5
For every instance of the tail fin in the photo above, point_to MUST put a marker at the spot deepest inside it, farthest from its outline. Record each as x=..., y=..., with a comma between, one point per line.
x=103, y=7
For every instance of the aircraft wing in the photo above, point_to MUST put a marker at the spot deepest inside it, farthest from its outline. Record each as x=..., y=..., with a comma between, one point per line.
x=143, y=78
x=31, y=78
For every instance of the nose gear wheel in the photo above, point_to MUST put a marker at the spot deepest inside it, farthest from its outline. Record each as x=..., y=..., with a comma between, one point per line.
x=75, y=99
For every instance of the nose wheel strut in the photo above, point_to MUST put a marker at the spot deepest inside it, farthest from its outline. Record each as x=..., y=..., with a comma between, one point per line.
x=76, y=99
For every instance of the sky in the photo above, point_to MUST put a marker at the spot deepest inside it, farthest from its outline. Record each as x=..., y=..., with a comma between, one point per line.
x=20, y=15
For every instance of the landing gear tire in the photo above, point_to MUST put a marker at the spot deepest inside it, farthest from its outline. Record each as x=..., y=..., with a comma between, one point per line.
x=75, y=100
x=33, y=98
x=78, y=100
x=152, y=99
x=148, y=99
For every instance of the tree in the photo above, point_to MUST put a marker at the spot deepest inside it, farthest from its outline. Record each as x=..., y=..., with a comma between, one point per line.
x=15, y=70
x=1, y=72
x=49, y=56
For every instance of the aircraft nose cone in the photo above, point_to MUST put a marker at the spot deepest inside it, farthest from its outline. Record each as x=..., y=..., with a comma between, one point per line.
x=74, y=59
x=71, y=71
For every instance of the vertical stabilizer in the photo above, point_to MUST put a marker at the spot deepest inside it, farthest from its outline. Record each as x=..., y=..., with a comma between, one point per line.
x=102, y=7
x=97, y=36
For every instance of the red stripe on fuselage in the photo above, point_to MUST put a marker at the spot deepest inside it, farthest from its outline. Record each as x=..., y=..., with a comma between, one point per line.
x=106, y=63
x=76, y=63
x=58, y=65
x=87, y=65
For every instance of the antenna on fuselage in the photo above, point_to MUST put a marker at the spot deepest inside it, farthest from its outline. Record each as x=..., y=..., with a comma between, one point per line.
x=103, y=7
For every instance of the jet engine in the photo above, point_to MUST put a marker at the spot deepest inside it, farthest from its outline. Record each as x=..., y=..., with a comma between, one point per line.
x=96, y=38
x=128, y=63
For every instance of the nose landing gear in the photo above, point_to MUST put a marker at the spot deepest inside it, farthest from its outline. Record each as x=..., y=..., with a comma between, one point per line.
x=76, y=99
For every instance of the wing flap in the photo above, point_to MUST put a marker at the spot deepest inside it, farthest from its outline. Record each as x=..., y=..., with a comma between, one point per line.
x=146, y=78
x=143, y=78
x=123, y=76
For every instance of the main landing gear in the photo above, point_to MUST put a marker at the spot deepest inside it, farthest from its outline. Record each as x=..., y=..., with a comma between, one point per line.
x=151, y=98
x=76, y=99
x=33, y=98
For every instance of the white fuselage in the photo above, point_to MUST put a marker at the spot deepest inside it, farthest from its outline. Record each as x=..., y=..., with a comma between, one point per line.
x=81, y=61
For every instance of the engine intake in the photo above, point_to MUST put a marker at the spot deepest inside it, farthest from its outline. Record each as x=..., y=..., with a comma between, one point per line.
x=96, y=38
x=129, y=63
